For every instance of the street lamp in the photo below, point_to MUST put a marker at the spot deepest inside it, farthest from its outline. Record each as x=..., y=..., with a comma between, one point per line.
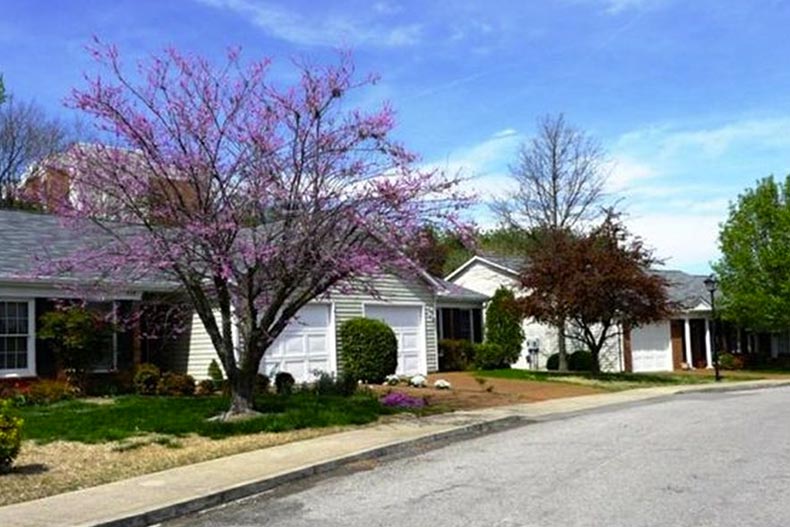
x=711, y=284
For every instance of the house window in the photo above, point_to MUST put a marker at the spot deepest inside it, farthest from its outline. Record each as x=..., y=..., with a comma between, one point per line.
x=106, y=312
x=461, y=324
x=16, y=337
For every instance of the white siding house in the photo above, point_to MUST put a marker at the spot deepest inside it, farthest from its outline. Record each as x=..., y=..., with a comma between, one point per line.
x=684, y=341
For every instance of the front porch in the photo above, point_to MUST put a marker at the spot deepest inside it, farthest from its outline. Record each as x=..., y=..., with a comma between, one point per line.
x=692, y=345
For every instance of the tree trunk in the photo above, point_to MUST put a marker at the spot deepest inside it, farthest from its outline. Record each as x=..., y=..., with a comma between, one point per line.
x=242, y=394
x=562, y=347
x=595, y=367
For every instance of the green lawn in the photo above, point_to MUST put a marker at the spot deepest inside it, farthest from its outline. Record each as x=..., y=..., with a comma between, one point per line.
x=126, y=416
x=614, y=381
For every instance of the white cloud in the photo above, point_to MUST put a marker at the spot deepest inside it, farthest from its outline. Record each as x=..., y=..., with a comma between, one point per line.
x=678, y=180
x=625, y=173
x=323, y=29
x=484, y=165
x=685, y=240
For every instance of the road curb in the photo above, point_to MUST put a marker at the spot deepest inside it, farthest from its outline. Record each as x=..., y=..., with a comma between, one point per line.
x=738, y=386
x=199, y=503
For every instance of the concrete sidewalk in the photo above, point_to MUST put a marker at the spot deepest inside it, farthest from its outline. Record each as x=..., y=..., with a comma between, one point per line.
x=153, y=498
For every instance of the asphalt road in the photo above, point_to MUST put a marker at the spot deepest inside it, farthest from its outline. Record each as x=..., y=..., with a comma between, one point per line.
x=705, y=459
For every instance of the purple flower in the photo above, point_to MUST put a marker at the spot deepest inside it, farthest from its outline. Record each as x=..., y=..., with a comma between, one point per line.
x=401, y=400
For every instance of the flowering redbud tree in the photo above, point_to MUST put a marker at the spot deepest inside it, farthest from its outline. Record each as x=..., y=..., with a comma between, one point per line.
x=254, y=197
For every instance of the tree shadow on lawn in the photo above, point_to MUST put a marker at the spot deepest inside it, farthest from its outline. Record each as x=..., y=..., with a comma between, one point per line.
x=31, y=469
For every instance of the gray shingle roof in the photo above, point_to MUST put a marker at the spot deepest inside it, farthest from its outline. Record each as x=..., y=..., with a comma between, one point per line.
x=685, y=289
x=456, y=292
x=514, y=263
x=26, y=237
x=29, y=240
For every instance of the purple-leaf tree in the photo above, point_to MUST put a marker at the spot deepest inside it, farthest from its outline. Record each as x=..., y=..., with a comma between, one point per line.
x=254, y=197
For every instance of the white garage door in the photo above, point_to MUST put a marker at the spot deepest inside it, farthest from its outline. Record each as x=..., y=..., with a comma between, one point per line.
x=651, y=348
x=304, y=347
x=406, y=322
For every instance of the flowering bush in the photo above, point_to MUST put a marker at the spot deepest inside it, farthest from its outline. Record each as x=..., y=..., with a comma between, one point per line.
x=418, y=381
x=392, y=380
x=10, y=435
x=401, y=400
x=442, y=384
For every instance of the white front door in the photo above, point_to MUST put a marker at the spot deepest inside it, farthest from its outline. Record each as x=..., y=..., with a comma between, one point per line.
x=406, y=322
x=304, y=347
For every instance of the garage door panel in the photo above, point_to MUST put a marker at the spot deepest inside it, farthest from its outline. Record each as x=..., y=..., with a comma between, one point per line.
x=406, y=323
x=310, y=317
x=410, y=341
x=651, y=348
x=304, y=346
x=396, y=316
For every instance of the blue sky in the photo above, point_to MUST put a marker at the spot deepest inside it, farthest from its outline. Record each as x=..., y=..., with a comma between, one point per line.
x=690, y=99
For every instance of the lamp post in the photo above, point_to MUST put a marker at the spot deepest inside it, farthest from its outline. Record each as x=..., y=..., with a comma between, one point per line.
x=711, y=284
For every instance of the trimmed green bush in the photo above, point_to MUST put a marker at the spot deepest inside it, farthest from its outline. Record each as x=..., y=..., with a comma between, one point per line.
x=728, y=361
x=580, y=360
x=284, y=383
x=553, y=362
x=455, y=355
x=262, y=383
x=490, y=356
x=370, y=350
x=503, y=325
x=146, y=379
x=342, y=385
x=215, y=373
x=10, y=435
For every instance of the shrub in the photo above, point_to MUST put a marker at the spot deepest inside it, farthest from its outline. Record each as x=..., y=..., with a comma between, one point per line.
x=78, y=337
x=114, y=383
x=16, y=391
x=47, y=391
x=503, y=325
x=728, y=361
x=455, y=355
x=442, y=384
x=392, y=380
x=580, y=360
x=262, y=384
x=553, y=362
x=370, y=350
x=342, y=385
x=284, y=383
x=205, y=387
x=172, y=383
x=418, y=381
x=10, y=435
x=146, y=379
x=490, y=356
x=215, y=374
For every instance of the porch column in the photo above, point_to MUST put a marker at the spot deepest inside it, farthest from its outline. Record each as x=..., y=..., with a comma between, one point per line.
x=708, y=347
x=687, y=342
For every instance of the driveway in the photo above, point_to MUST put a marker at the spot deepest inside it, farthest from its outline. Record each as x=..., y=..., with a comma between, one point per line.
x=694, y=460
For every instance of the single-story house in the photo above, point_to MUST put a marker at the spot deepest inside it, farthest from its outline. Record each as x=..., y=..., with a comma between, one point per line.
x=683, y=341
x=421, y=309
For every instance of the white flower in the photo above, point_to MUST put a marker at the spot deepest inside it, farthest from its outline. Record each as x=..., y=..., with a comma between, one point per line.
x=418, y=381
x=392, y=380
x=442, y=384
